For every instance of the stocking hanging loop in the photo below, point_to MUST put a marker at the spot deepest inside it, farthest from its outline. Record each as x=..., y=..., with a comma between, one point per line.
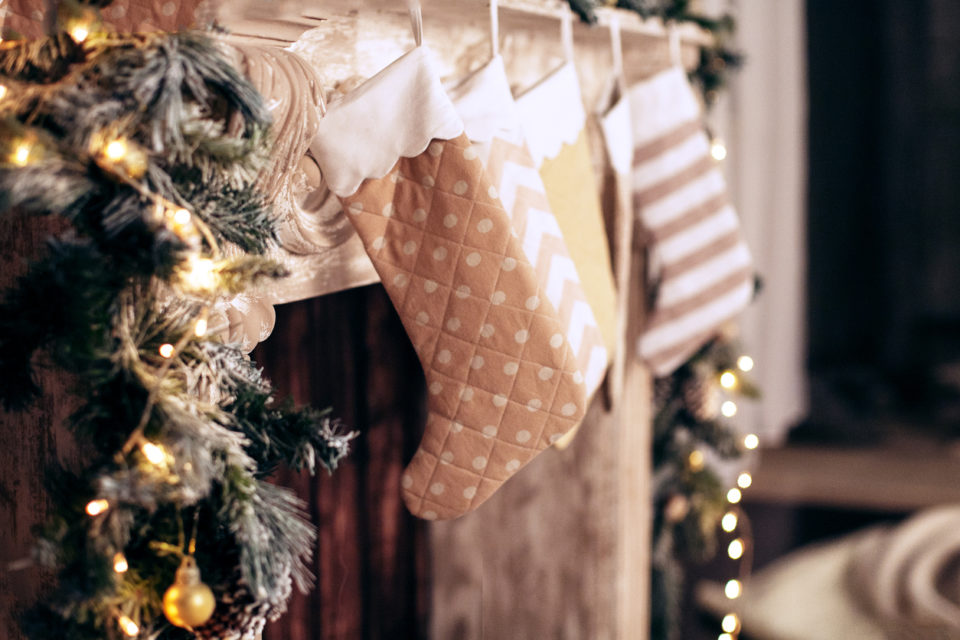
x=673, y=40
x=416, y=20
x=494, y=29
x=566, y=34
x=616, y=50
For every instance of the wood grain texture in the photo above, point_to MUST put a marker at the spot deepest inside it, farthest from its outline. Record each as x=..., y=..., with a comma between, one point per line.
x=29, y=441
x=349, y=351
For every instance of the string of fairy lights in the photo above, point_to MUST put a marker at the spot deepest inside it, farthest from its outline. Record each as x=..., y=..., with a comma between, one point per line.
x=734, y=521
x=188, y=602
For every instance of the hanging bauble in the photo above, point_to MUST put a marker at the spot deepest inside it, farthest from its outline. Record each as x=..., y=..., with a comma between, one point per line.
x=188, y=602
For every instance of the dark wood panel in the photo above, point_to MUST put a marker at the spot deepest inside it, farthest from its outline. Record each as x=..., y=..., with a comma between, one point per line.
x=349, y=351
x=28, y=442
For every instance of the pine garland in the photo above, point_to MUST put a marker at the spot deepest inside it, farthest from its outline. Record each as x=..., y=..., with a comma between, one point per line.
x=150, y=146
x=717, y=59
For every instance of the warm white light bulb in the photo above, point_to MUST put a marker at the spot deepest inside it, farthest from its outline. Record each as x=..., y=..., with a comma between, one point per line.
x=181, y=216
x=3, y=88
x=120, y=562
x=115, y=150
x=96, y=507
x=744, y=480
x=730, y=623
x=166, y=350
x=200, y=274
x=717, y=149
x=200, y=328
x=154, y=453
x=734, y=496
x=79, y=33
x=21, y=155
x=729, y=521
x=751, y=441
x=745, y=363
x=724, y=636
x=728, y=380
x=735, y=549
x=729, y=408
x=733, y=589
x=128, y=626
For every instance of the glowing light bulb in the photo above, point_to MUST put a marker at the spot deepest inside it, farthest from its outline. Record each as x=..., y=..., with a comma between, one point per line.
x=733, y=589
x=96, y=507
x=79, y=32
x=751, y=441
x=181, y=217
x=729, y=521
x=115, y=150
x=21, y=155
x=729, y=408
x=695, y=460
x=128, y=626
x=717, y=149
x=728, y=380
x=744, y=480
x=200, y=328
x=734, y=496
x=735, y=549
x=166, y=350
x=730, y=623
x=724, y=636
x=154, y=453
x=200, y=274
x=3, y=88
x=120, y=562
x=745, y=363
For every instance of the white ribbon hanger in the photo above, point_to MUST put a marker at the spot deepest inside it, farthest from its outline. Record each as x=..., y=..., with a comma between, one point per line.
x=416, y=20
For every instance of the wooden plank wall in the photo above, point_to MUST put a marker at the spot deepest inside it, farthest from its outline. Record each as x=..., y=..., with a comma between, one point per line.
x=29, y=441
x=349, y=351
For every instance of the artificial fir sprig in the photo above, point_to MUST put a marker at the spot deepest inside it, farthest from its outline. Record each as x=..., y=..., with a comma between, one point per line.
x=150, y=147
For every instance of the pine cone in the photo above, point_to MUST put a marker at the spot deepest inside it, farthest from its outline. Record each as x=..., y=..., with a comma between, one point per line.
x=241, y=616
x=701, y=397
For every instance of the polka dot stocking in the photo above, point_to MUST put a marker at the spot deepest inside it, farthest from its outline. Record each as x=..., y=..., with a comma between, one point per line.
x=502, y=380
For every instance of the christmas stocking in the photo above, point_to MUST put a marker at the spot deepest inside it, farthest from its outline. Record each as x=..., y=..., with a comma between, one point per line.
x=614, y=118
x=492, y=123
x=503, y=380
x=554, y=122
x=697, y=254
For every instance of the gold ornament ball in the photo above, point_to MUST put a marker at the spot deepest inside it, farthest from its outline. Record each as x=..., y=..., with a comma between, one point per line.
x=188, y=603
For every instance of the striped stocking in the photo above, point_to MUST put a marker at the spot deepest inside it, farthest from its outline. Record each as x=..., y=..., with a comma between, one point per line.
x=699, y=260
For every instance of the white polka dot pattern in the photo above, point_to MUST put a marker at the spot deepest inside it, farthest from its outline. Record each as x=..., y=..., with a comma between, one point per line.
x=498, y=385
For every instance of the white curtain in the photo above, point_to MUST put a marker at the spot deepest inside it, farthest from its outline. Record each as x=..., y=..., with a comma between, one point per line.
x=763, y=121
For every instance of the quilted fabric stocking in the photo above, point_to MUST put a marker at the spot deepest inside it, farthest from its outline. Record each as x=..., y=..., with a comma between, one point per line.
x=503, y=380
x=492, y=123
x=696, y=249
